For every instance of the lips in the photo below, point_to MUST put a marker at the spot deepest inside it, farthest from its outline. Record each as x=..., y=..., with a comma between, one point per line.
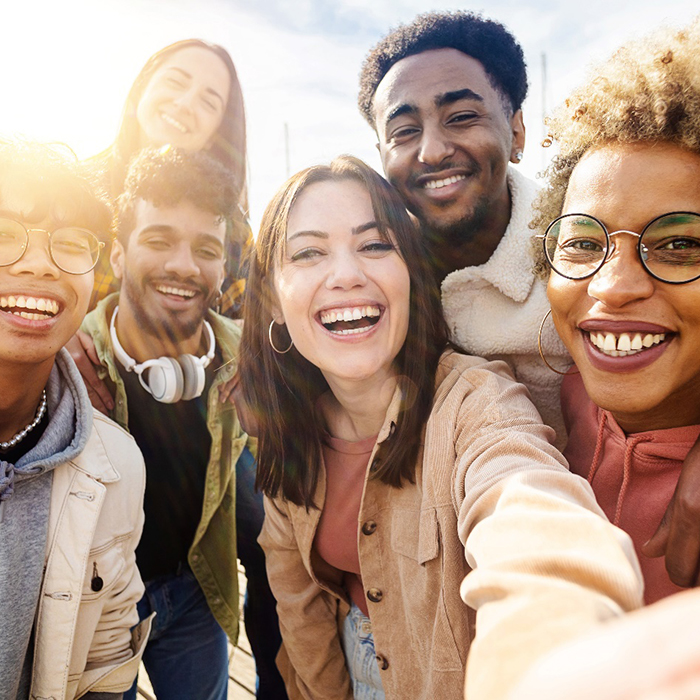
x=350, y=320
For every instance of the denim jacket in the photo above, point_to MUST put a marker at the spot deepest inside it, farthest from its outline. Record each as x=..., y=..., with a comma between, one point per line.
x=212, y=555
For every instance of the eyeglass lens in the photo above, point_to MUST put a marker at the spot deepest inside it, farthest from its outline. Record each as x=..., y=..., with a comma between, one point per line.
x=577, y=246
x=74, y=250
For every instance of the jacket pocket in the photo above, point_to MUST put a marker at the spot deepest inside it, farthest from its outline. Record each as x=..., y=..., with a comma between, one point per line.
x=421, y=543
x=104, y=566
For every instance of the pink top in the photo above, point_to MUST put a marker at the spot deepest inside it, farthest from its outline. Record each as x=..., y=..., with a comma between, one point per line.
x=337, y=532
x=633, y=476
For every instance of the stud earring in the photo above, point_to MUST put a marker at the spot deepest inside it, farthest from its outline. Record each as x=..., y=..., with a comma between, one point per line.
x=519, y=156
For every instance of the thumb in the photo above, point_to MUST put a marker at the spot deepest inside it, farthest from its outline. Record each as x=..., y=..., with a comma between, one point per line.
x=656, y=545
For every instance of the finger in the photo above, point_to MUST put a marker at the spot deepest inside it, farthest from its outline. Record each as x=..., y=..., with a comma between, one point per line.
x=96, y=400
x=657, y=544
x=683, y=545
x=80, y=348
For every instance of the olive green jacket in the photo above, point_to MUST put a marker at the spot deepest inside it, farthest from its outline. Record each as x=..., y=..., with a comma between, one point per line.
x=212, y=555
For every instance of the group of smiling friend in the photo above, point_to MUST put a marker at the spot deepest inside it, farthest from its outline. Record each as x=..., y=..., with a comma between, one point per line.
x=424, y=536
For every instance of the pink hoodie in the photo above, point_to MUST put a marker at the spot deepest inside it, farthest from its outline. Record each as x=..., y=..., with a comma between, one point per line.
x=633, y=476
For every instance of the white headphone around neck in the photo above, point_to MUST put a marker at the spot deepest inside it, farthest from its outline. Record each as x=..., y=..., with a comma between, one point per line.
x=167, y=379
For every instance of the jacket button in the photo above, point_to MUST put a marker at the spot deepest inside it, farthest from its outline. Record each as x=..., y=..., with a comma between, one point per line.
x=375, y=595
x=369, y=527
x=383, y=663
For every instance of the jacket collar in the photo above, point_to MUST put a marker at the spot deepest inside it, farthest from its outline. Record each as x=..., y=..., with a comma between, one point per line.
x=504, y=269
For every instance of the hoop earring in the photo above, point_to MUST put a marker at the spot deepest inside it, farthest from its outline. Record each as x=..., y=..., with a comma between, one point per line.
x=269, y=335
x=539, y=346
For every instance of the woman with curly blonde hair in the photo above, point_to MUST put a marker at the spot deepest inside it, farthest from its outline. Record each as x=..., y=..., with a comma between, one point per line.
x=620, y=225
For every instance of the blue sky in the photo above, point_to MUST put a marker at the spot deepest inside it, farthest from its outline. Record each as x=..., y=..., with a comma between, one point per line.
x=68, y=65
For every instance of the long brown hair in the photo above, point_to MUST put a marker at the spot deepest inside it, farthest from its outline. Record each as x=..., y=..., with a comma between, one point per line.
x=229, y=143
x=283, y=390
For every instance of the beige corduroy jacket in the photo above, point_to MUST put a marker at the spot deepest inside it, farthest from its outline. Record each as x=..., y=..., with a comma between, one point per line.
x=491, y=494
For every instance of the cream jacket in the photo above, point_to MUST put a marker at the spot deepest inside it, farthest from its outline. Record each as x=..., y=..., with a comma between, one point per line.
x=83, y=640
x=490, y=494
x=494, y=310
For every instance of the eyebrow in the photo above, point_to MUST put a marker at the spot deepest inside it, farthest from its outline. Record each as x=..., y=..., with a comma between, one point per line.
x=207, y=89
x=322, y=234
x=441, y=100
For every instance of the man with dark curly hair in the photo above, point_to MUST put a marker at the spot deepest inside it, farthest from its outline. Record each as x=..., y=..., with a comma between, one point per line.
x=444, y=95
x=164, y=354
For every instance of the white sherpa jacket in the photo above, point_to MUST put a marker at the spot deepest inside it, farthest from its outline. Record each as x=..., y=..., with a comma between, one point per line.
x=494, y=310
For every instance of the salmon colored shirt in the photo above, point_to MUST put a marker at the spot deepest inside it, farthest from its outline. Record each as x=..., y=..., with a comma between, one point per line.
x=633, y=476
x=336, y=536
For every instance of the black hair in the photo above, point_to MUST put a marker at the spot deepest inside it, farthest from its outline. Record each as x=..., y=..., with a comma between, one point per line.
x=485, y=40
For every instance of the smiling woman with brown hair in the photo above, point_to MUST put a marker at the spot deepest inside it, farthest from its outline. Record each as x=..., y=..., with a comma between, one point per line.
x=621, y=226
x=393, y=465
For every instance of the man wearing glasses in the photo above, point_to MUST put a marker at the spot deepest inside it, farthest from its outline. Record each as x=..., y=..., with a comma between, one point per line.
x=71, y=481
x=164, y=354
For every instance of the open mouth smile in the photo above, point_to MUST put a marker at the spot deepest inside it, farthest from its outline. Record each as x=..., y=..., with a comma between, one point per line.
x=623, y=344
x=31, y=308
x=176, y=291
x=174, y=123
x=350, y=320
x=439, y=184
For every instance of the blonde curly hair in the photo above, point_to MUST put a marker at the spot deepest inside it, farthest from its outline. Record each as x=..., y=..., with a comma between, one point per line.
x=647, y=91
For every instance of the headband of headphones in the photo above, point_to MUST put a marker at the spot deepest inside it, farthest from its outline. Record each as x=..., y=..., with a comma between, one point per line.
x=167, y=379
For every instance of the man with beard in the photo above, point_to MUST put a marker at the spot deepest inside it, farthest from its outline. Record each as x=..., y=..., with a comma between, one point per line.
x=164, y=355
x=444, y=96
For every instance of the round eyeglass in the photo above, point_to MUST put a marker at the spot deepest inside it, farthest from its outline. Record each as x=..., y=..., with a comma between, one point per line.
x=73, y=250
x=578, y=245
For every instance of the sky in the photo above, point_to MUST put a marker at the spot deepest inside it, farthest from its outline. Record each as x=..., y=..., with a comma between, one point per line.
x=68, y=66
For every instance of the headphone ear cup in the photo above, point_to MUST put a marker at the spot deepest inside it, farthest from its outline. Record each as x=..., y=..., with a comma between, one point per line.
x=193, y=375
x=165, y=380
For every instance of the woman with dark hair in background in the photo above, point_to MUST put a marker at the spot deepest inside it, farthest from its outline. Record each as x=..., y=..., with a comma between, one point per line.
x=187, y=95
x=387, y=457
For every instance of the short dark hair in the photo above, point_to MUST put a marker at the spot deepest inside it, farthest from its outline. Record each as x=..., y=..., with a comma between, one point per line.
x=169, y=176
x=283, y=390
x=58, y=185
x=485, y=40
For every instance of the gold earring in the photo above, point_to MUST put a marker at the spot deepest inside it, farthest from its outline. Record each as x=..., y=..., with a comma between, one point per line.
x=539, y=346
x=269, y=335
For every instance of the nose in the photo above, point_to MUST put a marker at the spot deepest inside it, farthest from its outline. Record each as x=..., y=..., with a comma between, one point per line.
x=346, y=272
x=435, y=145
x=184, y=99
x=181, y=262
x=36, y=260
x=622, y=279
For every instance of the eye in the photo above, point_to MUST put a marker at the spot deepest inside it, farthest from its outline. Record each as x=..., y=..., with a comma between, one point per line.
x=210, y=104
x=175, y=82
x=462, y=117
x=378, y=247
x=582, y=245
x=306, y=254
x=156, y=243
x=209, y=253
x=680, y=244
x=403, y=133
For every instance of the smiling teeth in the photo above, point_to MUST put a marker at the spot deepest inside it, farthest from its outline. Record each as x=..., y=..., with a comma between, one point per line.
x=626, y=343
x=173, y=122
x=436, y=184
x=350, y=314
x=12, y=302
x=187, y=293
